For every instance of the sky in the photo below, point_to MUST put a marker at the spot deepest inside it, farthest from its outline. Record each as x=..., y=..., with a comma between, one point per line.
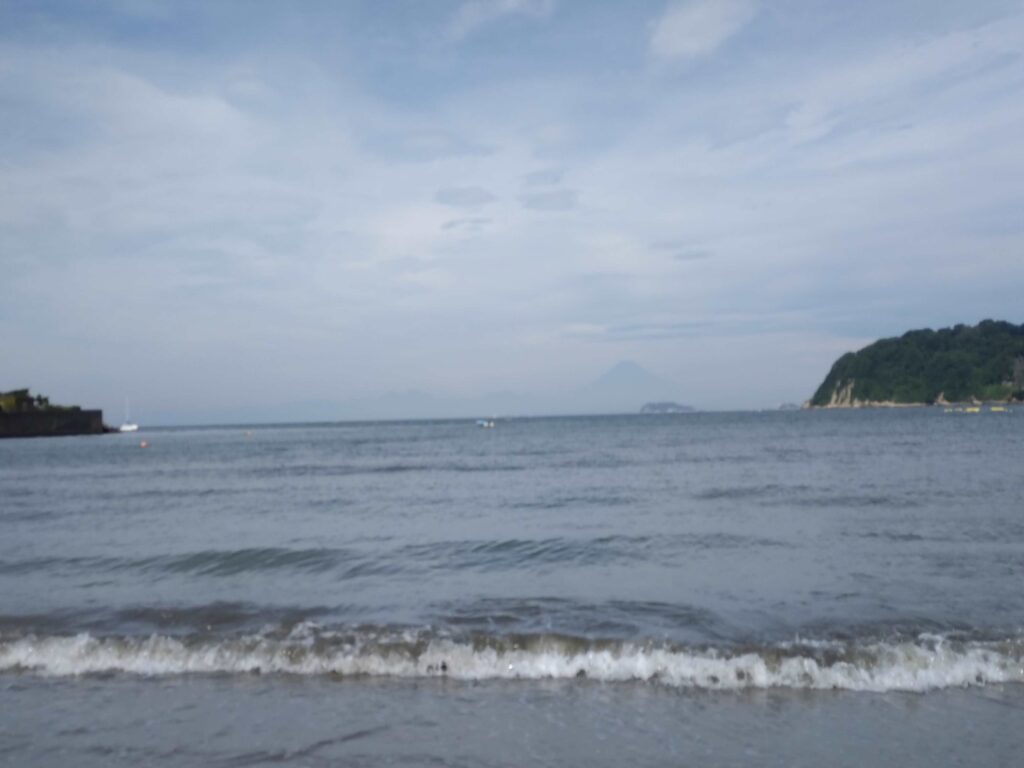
x=213, y=208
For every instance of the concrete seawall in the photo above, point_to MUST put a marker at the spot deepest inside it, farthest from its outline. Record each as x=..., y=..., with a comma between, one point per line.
x=51, y=423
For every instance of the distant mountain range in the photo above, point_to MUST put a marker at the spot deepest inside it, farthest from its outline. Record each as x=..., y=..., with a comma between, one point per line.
x=624, y=388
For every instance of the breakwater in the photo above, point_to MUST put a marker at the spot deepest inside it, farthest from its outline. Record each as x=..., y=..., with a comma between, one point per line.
x=51, y=423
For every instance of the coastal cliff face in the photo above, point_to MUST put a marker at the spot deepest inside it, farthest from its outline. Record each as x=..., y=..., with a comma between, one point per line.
x=842, y=397
x=966, y=364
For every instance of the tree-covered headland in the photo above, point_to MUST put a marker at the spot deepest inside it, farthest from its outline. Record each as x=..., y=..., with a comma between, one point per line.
x=980, y=363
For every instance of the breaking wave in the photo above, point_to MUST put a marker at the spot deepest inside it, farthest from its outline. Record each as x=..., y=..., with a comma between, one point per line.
x=922, y=663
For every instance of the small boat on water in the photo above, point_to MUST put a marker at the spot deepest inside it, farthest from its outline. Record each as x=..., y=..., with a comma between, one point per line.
x=128, y=425
x=485, y=423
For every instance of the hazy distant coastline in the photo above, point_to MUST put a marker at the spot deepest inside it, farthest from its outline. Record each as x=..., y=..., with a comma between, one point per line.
x=623, y=388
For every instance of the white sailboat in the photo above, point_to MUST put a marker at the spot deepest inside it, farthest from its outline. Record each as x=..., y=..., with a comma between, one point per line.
x=128, y=425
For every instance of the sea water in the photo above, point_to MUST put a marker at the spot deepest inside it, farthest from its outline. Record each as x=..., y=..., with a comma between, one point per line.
x=838, y=588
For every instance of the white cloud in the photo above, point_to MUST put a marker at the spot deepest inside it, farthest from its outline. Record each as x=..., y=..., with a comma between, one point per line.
x=698, y=28
x=477, y=13
x=908, y=81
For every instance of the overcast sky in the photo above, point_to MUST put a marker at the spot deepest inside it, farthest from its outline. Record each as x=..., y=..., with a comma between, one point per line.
x=259, y=202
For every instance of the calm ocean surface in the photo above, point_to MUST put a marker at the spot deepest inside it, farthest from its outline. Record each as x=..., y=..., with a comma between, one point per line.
x=798, y=588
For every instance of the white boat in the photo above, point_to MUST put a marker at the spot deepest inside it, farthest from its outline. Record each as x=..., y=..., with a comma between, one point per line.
x=485, y=423
x=128, y=425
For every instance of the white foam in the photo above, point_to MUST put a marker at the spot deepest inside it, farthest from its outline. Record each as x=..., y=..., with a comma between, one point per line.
x=919, y=665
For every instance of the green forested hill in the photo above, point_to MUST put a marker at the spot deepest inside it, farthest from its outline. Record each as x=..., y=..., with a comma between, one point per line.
x=982, y=362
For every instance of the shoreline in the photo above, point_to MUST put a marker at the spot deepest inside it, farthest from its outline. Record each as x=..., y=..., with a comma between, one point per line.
x=864, y=404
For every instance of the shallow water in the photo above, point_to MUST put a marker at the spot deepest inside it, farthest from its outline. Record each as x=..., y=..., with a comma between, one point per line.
x=231, y=721
x=648, y=575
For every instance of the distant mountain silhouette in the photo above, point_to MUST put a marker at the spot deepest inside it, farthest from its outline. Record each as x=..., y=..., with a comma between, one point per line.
x=624, y=388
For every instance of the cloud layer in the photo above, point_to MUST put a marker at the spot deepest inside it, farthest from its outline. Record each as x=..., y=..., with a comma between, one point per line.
x=356, y=199
x=698, y=27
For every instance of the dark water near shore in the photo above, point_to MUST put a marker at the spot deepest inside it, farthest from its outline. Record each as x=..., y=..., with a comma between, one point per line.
x=649, y=590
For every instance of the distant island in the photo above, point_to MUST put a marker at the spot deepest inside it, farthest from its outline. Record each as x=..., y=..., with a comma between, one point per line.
x=976, y=364
x=25, y=415
x=666, y=407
